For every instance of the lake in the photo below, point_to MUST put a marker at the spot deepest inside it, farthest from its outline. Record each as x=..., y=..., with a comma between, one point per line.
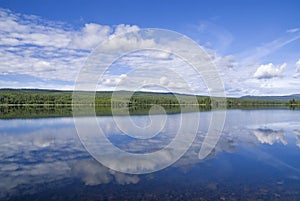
x=257, y=157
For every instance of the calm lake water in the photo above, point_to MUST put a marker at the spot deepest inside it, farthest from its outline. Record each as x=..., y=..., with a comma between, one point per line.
x=256, y=158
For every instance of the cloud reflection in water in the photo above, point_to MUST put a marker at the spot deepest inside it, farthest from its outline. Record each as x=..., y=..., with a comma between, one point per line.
x=40, y=151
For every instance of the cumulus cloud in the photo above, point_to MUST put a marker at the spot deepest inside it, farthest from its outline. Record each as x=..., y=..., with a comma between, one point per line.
x=123, y=28
x=90, y=35
x=268, y=71
x=47, y=50
x=154, y=70
x=50, y=54
x=93, y=34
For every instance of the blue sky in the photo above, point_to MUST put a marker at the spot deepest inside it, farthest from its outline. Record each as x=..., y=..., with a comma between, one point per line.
x=255, y=44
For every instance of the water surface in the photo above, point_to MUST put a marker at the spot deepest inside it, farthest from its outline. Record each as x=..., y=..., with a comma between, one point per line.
x=256, y=158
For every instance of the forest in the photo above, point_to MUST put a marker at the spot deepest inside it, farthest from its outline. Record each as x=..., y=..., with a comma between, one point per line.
x=36, y=103
x=22, y=97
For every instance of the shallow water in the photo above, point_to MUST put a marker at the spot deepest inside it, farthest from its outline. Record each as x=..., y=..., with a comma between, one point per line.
x=257, y=157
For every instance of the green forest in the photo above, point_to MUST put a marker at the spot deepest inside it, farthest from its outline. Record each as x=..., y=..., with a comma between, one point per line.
x=30, y=103
x=22, y=97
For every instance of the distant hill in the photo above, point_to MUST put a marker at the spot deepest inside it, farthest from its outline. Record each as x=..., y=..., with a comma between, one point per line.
x=273, y=98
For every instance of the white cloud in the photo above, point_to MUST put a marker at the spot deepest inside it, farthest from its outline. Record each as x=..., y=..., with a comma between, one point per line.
x=268, y=71
x=19, y=29
x=93, y=34
x=298, y=65
x=90, y=36
x=126, y=43
x=123, y=28
x=48, y=50
x=240, y=81
x=297, y=74
x=43, y=66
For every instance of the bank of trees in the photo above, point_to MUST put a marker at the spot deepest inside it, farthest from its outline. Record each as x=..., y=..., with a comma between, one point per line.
x=31, y=97
x=121, y=99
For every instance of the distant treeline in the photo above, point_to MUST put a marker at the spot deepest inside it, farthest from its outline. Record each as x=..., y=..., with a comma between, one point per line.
x=121, y=98
x=21, y=97
x=34, y=97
